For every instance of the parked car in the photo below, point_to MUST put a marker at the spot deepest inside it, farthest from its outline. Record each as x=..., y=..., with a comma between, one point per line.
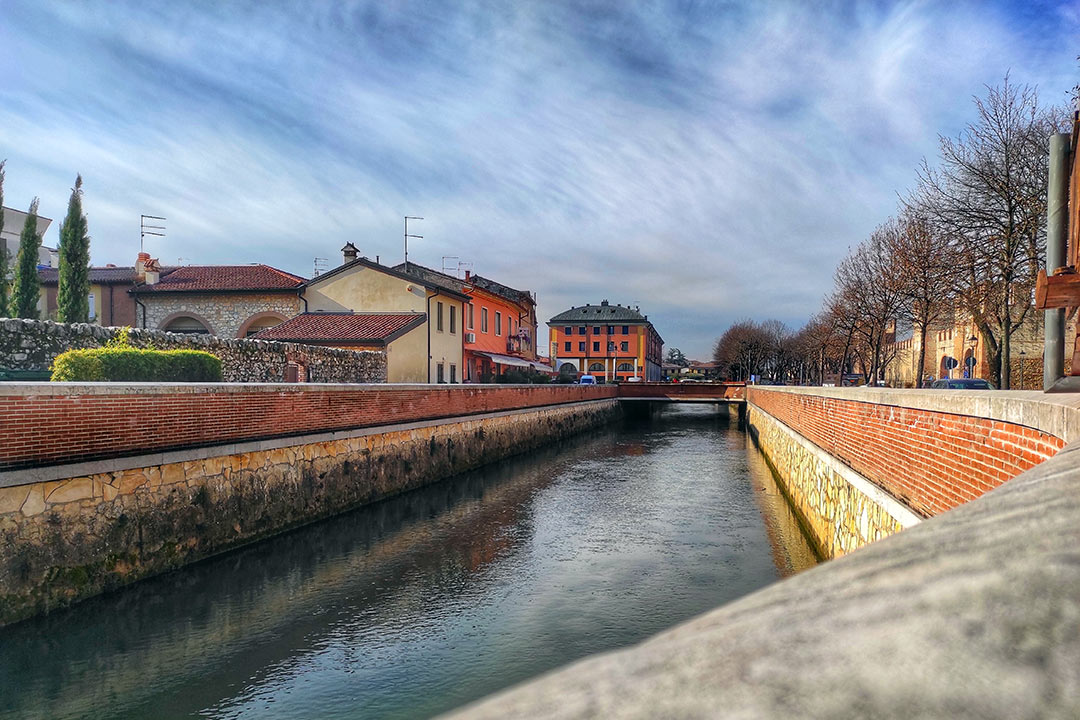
x=586, y=380
x=962, y=384
x=633, y=379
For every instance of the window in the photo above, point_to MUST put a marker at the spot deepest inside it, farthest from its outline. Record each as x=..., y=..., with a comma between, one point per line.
x=453, y=370
x=453, y=321
x=582, y=330
x=471, y=326
x=581, y=347
x=596, y=367
x=438, y=317
x=483, y=319
x=569, y=330
x=93, y=313
x=625, y=367
x=595, y=330
x=566, y=347
x=498, y=323
x=439, y=373
x=624, y=346
x=625, y=329
x=596, y=347
x=610, y=329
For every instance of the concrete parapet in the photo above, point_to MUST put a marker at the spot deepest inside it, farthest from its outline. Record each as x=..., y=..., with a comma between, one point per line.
x=971, y=614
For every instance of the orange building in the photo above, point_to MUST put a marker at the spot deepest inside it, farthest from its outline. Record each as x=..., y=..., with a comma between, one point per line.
x=610, y=341
x=499, y=322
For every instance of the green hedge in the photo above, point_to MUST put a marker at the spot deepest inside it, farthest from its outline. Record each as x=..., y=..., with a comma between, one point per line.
x=127, y=364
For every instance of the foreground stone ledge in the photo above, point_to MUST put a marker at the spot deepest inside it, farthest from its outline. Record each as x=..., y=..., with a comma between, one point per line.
x=974, y=613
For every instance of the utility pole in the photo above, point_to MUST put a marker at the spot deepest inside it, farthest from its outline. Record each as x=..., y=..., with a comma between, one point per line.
x=145, y=229
x=407, y=236
x=1057, y=220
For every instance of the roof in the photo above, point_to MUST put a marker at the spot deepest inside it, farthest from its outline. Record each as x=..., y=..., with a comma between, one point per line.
x=394, y=272
x=521, y=297
x=601, y=313
x=343, y=327
x=224, y=278
x=98, y=275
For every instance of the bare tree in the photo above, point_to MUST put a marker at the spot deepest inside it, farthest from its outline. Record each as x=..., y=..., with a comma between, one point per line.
x=988, y=198
x=927, y=267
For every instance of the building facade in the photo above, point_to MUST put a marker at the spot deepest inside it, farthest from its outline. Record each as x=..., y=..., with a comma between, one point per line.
x=610, y=341
x=110, y=303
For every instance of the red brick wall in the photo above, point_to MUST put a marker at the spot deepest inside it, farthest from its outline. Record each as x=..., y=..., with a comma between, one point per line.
x=50, y=429
x=729, y=391
x=932, y=461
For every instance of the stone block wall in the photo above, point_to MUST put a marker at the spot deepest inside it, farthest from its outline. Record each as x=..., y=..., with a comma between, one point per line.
x=226, y=313
x=930, y=459
x=33, y=344
x=839, y=509
x=73, y=537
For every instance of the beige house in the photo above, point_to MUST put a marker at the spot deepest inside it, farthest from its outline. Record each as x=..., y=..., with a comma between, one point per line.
x=430, y=351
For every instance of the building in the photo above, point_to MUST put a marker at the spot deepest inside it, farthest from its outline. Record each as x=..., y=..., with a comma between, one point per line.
x=500, y=324
x=110, y=303
x=610, y=341
x=231, y=301
x=400, y=335
x=14, y=220
x=429, y=352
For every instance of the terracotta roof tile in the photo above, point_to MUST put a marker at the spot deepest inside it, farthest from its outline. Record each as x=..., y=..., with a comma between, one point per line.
x=208, y=278
x=349, y=327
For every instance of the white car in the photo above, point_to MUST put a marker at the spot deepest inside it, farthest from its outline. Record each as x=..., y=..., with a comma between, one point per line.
x=633, y=379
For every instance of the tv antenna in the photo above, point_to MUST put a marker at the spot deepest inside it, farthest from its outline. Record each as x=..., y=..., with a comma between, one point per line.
x=145, y=229
x=320, y=266
x=407, y=236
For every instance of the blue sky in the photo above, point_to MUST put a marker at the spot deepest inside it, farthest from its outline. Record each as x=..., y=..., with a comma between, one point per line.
x=708, y=161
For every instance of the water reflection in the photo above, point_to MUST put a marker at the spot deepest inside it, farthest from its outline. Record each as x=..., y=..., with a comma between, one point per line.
x=426, y=601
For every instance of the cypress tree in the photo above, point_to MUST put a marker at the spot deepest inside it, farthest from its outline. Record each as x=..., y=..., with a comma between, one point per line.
x=27, y=285
x=72, y=298
x=4, y=262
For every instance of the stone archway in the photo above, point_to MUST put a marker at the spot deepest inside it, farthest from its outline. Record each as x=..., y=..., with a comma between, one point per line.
x=186, y=323
x=260, y=321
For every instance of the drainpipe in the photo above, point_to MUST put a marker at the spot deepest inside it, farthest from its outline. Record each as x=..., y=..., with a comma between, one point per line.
x=1057, y=201
x=139, y=304
x=303, y=299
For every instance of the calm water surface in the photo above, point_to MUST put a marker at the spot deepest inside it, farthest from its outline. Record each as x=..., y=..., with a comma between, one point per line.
x=432, y=599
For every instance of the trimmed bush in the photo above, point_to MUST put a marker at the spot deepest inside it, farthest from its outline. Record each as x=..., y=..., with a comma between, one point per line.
x=127, y=364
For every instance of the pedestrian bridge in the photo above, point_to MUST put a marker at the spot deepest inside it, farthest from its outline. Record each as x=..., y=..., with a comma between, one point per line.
x=686, y=392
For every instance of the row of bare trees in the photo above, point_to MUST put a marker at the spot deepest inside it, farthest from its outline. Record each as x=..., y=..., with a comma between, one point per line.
x=966, y=242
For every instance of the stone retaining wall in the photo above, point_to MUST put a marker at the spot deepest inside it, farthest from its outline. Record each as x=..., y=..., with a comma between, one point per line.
x=71, y=538
x=33, y=344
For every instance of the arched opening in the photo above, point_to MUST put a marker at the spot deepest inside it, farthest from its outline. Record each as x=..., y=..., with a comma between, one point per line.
x=625, y=367
x=596, y=367
x=260, y=321
x=568, y=367
x=185, y=324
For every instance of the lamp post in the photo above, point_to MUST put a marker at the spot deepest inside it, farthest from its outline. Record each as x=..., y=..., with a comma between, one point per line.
x=974, y=340
x=1022, y=354
x=407, y=236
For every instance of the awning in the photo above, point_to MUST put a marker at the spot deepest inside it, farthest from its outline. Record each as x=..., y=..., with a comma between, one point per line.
x=506, y=359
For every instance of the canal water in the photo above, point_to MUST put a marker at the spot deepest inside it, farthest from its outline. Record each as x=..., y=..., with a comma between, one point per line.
x=432, y=599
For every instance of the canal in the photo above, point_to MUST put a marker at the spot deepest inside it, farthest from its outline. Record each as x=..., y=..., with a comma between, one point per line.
x=432, y=599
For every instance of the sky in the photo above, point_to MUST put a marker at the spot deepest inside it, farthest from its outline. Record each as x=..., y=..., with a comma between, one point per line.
x=706, y=161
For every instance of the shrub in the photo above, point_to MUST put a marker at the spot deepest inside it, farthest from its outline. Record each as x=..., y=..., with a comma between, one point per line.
x=116, y=363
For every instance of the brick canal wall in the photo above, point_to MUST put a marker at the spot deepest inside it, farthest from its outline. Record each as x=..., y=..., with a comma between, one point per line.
x=46, y=424
x=860, y=464
x=34, y=344
x=74, y=530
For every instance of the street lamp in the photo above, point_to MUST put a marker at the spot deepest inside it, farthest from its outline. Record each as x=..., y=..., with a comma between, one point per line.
x=1022, y=354
x=971, y=365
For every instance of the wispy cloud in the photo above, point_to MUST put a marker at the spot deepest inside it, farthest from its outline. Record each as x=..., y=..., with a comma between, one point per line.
x=707, y=160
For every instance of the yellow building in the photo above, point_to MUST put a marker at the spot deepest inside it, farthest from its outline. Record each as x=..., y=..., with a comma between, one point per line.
x=428, y=349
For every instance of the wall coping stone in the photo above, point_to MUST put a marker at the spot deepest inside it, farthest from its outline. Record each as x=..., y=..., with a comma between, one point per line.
x=1056, y=414
x=55, y=389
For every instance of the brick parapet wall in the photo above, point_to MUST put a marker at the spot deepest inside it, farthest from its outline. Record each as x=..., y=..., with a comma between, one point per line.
x=53, y=423
x=34, y=344
x=907, y=443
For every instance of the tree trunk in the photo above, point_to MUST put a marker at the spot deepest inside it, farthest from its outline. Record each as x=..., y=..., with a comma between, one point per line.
x=921, y=372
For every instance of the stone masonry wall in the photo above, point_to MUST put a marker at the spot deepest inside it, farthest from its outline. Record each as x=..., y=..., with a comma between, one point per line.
x=225, y=312
x=33, y=344
x=840, y=513
x=72, y=538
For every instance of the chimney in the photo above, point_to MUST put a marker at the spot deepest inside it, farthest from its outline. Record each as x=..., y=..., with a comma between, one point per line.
x=140, y=266
x=604, y=303
x=349, y=253
x=152, y=271
x=468, y=274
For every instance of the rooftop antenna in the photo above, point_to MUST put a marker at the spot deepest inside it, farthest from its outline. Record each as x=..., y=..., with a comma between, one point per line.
x=407, y=236
x=450, y=257
x=149, y=229
x=320, y=265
